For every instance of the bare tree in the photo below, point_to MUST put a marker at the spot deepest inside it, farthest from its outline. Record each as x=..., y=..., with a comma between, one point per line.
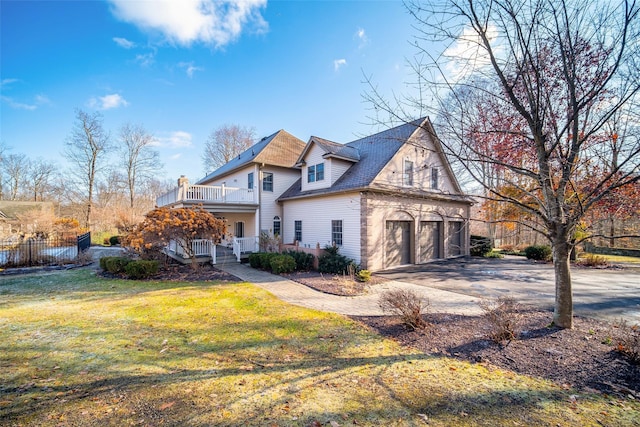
x=40, y=174
x=15, y=167
x=531, y=88
x=141, y=162
x=225, y=143
x=3, y=155
x=85, y=149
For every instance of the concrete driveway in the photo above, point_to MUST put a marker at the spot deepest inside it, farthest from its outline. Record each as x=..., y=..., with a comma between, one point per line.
x=610, y=294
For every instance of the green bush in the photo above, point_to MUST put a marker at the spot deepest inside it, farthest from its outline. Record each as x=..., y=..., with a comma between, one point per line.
x=114, y=240
x=254, y=260
x=282, y=264
x=304, y=261
x=538, y=252
x=117, y=264
x=493, y=254
x=141, y=269
x=265, y=259
x=480, y=246
x=332, y=261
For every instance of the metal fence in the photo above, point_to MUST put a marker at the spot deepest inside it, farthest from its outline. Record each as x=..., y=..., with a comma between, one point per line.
x=20, y=252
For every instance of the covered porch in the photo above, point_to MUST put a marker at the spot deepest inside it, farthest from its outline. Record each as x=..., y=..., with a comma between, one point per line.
x=205, y=250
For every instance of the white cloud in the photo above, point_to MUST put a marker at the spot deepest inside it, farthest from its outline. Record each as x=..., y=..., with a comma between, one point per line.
x=466, y=55
x=211, y=22
x=108, y=102
x=362, y=36
x=175, y=139
x=337, y=63
x=38, y=101
x=146, y=59
x=176, y=156
x=124, y=43
x=190, y=68
x=7, y=82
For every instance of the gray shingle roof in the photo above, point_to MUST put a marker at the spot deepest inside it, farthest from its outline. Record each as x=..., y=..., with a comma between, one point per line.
x=374, y=151
x=279, y=149
x=334, y=149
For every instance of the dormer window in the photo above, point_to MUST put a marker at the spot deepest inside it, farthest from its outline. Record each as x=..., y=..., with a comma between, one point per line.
x=315, y=172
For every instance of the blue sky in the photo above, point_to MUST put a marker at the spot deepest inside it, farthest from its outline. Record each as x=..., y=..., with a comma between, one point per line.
x=182, y=71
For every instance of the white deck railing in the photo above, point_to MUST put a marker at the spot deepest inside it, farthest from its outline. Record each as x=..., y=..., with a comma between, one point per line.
x=199, y=247
x=245, y=244
x=208, y=194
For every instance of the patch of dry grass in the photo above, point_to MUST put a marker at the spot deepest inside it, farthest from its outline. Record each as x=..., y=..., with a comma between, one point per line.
x=80, y=350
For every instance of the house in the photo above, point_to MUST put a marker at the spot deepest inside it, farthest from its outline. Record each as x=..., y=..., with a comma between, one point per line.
x=388, y=199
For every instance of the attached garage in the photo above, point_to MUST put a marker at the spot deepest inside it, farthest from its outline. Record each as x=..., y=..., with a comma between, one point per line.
x=398, y=243
x=455, y=238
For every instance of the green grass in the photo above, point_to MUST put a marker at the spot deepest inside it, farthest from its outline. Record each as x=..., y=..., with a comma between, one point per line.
x=76, y=349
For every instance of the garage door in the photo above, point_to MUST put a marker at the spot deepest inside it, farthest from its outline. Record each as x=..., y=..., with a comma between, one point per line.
x=398, y=245
x=455, y=238
x=430, y=232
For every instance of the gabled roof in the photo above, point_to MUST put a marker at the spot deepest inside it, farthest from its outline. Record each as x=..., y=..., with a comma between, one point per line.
x=331, y=150
x=279, y=149
x=375, y=152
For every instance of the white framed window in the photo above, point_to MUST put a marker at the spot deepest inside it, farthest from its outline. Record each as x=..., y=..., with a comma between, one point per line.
x=297, y=231
x=336, y=232
x=276, y=225
x=250, y=181
x=434, y=178
x=267, y=181
x=315, y=172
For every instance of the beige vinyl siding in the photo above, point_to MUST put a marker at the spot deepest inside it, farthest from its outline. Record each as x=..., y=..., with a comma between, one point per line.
x=316, y=215
x=238, y=178
x=312, y=158
x=338, y=168
x=422, y=153
x=282, y=179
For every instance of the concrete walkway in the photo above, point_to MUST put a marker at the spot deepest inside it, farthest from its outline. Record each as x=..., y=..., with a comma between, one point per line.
x=364, y=305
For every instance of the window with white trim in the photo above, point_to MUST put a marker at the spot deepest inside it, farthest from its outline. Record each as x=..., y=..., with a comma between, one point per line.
x=267, y=181
x=336, y=232
x=276, y=225
x=297, y=231
x=250, y=181
x=315, y=172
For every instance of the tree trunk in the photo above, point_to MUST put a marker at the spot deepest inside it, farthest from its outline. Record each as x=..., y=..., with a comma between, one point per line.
x=563, y=310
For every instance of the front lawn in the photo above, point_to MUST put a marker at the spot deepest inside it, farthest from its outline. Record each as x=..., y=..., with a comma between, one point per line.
x=76, y=349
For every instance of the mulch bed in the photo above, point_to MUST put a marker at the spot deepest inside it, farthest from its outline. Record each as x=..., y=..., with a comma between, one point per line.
x=584, y=357
x=185, y=273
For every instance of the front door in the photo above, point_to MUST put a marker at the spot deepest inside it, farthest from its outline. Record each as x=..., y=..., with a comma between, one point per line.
x=398, y=245
x=239, y=229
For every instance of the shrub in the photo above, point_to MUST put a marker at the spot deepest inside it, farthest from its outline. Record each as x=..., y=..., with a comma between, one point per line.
x=480, y=246
x=503, y=315
x=538, y=252
x=364, y=275
x=116, y=264
x=407, y=304
x=304, y=261
x=141, y=269
x=593, y=260
x=628, y=341
x=114, y=240
x=282, y=264
x=493, y=254
x=254, y=259
x=332, y=261
x=265, y=260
